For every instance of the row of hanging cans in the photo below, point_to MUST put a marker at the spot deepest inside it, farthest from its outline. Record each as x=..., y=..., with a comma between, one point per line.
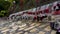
x=39, y=11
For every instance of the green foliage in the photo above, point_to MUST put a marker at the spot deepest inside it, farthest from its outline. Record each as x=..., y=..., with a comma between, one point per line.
x=4, y=13
x=17, y=1
x=4, y=6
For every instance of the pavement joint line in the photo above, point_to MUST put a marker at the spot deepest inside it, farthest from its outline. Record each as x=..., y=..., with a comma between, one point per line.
x=53, y=32
x=23, y=28
x=40, y=29
x=5, y=30
x=41, y=25
x=46, y=29
x=49, y=32
x=44, y=26
x=38, y=26
x=33, y=24
x=31, y=27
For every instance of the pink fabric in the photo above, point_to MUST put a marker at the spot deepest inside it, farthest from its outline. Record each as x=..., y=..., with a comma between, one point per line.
x=39, y=11
x=35, y=17
x=46, y=10
x=33, y=12
x=56, y=12
x=29, y=12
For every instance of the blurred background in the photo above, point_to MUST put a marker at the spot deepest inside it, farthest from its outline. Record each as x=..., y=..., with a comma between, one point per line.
x=8, y=7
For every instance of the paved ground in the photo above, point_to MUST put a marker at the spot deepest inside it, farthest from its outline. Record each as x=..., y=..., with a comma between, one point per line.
x=25, y=28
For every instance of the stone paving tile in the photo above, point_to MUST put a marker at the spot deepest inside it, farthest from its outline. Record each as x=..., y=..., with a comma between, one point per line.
x=32, y=27
x=53, y=32
x=4, y=33
x=5, y=30
x=26, y=28
x=26, y=33
x=43, y=25
x=41, y=32
x=33, y=30
x=29, y=28
x=32, y=24
x=22, y=26
x=47, y=28
x=19, y=33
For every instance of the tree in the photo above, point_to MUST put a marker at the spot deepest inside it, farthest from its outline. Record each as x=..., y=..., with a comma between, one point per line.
x=4, y=6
